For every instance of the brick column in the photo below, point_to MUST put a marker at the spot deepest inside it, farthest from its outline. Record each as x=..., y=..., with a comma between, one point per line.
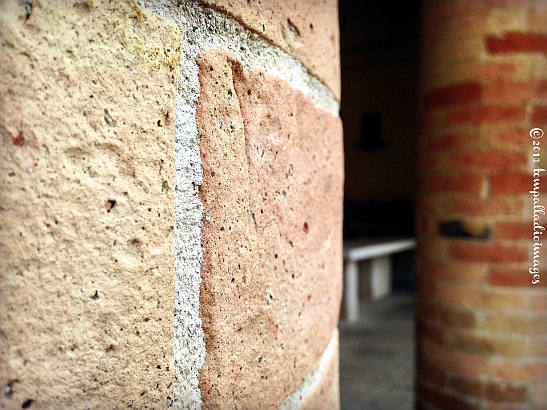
x=481, y=323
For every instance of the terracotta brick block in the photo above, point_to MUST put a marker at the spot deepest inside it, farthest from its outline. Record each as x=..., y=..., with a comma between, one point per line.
x=453, y=95
x=444, y=400
x=538, y=302
x=485, y=114
x=513, y=230
x=492, y=160
x=487, y=345
x=431, y=374
x=86, y=244
x=518, y=183
x=537, y=346
x=515, y=323
x=448, y=141
x=511, y=277
x=271, y=259
x=539, y=394
x=539, y=115
x=515, y=90
x=478, y=297
x=308, y=30
x=488, y=252
x=479, y=207
x=326, y=393
x=454, y=317
x=516, y=42
x=503, y=392
x=468, y=272
x=430, y=331
x=450, y=360
x=530, y=371
x=508, y=135
x=466, y=386
x=457, y=184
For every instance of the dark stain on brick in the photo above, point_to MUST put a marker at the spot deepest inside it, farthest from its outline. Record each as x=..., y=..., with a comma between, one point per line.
x=456, y=228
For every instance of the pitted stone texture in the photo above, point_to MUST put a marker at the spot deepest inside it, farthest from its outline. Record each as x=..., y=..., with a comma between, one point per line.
x=308, y=30
x=87, y=110
x=272, y=197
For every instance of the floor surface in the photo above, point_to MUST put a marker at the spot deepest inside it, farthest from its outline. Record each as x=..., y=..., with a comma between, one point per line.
x=377, y=356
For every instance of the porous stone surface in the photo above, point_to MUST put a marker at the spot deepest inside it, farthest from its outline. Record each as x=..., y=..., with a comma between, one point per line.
x=272, y=198
x=87, y=122
x=308, y=30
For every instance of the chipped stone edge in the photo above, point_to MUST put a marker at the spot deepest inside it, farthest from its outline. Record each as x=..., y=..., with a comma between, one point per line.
x=203, y=28
x=312, y=381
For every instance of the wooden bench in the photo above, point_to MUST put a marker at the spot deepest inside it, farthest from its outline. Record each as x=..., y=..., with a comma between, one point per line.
x=378, y=252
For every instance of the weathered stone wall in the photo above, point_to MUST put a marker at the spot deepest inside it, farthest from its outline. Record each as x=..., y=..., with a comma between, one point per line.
x=482, y=323
x=171, y=196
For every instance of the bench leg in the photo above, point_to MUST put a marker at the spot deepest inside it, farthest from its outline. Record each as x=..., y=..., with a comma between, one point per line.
x=380, y=277
x=351, y=290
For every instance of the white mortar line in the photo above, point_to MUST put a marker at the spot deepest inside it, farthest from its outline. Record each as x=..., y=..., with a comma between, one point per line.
x=313, y=379
x=204, y=29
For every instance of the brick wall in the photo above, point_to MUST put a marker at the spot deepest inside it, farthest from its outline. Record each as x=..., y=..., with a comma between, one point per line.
x=171, y=204
x=481, y=324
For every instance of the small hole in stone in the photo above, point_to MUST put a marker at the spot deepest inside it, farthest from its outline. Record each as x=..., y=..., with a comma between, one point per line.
x=305, y=227
x=248, y=92
x=27, y=404
x=95, y=296
x=159, y=123
x=111, y=203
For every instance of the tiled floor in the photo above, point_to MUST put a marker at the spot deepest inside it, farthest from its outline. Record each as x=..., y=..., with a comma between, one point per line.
x=377, y=356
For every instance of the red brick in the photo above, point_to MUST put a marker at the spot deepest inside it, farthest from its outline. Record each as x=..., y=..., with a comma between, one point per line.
x=494, y=160
x=462, y=318
x=450, y=360
x=480, y=297
x=515, y=42
x=509, y=277
x=512, y=136
x=480, y=207
x=443, y=400
x=488, y=252
x=460, y=184
x=539, y=302
x=448, y=141
x=539, y=395
x=513, y=230
x=487, y=345
x=430, y=374
x=539, y=115
x=515, y=323
x=518, y=371
x=466, y=386
x=484, y=114
x=430, y=331
x=492, y=70
x=453, y=95
x=455, y=271
x=511, y=183
x=515, y=90
x=537, y=347
x=504, y=392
